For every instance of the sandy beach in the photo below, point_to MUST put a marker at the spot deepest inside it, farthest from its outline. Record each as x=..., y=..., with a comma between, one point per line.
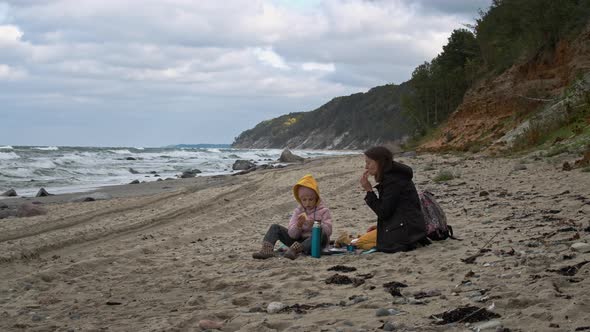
x=166, y=256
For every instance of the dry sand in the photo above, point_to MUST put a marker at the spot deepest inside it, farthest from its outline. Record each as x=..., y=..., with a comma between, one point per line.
x=164, y=259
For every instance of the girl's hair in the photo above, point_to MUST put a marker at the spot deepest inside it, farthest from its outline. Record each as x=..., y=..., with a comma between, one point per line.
x=384, y=159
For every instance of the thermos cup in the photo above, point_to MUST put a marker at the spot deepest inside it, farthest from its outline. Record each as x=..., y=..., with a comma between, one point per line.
x=316, y=240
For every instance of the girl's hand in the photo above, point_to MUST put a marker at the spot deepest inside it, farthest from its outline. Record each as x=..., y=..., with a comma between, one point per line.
x=371, y=228
x=365, y=182
x=301, y=220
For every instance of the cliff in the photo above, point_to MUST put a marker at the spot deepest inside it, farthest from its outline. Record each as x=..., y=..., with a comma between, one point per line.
x=350, y=122
x=493, y=108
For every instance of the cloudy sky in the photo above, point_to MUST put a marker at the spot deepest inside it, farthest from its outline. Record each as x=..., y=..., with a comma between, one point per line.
x=158, y=72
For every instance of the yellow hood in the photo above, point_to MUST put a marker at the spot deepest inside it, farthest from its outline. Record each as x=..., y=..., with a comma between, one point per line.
x=309, y=182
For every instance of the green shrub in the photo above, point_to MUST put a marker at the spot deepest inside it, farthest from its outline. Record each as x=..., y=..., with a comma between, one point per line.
x=444, y=176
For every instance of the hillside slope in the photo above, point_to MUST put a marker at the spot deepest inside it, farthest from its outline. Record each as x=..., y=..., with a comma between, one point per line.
x=492, y=108
x=350, y=122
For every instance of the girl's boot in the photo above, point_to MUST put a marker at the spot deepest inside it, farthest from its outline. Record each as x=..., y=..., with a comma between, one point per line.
x=267, y=251
x=294, y=250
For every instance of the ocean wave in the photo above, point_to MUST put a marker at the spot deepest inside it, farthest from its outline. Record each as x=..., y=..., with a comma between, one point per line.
x=46, y=148
x=8, y=155
x=6, y=147
x=123, y=151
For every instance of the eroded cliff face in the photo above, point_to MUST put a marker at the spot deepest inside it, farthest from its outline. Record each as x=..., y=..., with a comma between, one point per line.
x=492, y=108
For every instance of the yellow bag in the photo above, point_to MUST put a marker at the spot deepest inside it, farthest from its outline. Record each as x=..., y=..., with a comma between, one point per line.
x=367, y=241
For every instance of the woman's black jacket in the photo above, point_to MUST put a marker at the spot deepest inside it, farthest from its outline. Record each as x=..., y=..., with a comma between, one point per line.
x=400, y=222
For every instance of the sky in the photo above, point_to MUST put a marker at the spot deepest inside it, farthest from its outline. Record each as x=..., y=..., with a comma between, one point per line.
x=150, y=73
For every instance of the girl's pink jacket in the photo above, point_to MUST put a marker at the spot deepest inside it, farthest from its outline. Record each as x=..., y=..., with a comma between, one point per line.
x=322, y=213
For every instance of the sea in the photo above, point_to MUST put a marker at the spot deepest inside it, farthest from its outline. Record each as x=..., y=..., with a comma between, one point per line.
x=69, y=169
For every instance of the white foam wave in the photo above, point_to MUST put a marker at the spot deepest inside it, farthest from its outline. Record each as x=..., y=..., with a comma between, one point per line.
x=46, y=148
x=123, y=151
x=8, y=155
x=6, y=147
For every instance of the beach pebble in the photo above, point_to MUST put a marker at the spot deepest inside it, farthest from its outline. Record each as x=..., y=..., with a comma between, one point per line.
x=489, y=325
x=274, y=307
x=358, y=299
x=386, y=312
x=580, y=247
x=389, y=326
x=207, y=324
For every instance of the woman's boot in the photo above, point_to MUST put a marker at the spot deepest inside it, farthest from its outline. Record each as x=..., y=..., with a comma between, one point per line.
x=294, y=250
x=267, y=251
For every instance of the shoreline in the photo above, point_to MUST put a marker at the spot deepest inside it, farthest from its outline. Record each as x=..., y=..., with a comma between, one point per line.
x=169, y=260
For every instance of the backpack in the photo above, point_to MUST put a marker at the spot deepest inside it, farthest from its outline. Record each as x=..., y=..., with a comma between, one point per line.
x=434, y=217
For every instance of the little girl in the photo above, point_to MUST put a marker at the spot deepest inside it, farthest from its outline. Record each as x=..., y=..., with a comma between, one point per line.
x=298, y=235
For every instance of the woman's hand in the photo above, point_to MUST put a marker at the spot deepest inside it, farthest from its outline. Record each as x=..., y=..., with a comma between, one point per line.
x=371, y=228
x=365, y=182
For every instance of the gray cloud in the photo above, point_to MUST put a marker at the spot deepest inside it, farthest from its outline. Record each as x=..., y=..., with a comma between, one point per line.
x=180, y=68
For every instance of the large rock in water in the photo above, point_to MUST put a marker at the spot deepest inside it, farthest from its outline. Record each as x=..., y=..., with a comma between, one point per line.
x=242, y=165
x=9, y=193
x=42, y=192
x=288, y=157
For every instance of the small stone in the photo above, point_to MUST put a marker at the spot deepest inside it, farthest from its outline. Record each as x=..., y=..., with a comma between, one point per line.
x=274, y=307
x=358, y=299
x=399, y=300
x=389, y=326
x=483, y=193
x=580, y=247
x=207, y=324
x=489, y=325
x=520, y=167
x=36, y=318
x=382, y=312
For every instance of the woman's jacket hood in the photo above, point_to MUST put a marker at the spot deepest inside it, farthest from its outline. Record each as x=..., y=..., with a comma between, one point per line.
x=400, y=169
x=309, y=182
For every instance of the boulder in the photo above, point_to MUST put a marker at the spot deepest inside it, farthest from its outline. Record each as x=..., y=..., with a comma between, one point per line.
x=9, y=193
x=190, y=173
x=242, y=165
x=42, y=192
x=92, y=197
x=132, y=171
x=30, y=210
x=288, y=157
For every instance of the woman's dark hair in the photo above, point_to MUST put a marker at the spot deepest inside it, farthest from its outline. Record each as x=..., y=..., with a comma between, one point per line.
x=384, y=159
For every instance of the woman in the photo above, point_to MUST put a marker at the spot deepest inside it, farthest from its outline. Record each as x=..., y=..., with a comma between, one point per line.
x=400, y=223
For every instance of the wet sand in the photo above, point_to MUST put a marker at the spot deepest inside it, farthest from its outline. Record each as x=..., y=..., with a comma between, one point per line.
x=165, y=259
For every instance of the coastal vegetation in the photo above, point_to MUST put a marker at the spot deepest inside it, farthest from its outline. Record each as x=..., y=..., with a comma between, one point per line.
x=527, y=35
